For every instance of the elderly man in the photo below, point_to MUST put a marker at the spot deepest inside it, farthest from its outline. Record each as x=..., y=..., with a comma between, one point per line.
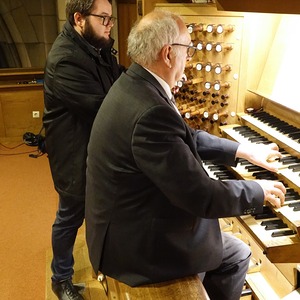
x=151, y=209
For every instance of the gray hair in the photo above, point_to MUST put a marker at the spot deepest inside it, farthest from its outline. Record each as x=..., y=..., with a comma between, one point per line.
x=148, y=36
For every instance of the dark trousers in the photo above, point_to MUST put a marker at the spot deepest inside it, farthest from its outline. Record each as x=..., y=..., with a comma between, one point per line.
x=69, y=218
x=226, y=282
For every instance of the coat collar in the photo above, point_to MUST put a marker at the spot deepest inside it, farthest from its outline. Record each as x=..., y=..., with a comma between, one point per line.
x=139, y=70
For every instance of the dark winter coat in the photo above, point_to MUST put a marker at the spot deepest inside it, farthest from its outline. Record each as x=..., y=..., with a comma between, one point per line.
x=77, y=78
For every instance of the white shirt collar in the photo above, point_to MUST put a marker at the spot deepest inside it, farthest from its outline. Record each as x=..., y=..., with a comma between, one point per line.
x=166, y=87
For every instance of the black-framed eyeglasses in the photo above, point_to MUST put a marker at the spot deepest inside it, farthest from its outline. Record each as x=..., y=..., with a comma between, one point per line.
x=190, y=49
x=106, y=20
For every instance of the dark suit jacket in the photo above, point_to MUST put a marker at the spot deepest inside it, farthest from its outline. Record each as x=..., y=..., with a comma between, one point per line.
x=151, y=209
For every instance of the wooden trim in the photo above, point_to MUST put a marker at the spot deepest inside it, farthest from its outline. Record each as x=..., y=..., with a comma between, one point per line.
x=126, y=1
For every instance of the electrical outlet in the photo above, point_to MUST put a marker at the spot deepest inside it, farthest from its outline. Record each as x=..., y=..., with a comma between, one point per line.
x=35, y=114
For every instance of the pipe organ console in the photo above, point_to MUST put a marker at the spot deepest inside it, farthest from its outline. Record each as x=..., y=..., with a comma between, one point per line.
x=215, y=95
x=208, y=92
x=274, y=235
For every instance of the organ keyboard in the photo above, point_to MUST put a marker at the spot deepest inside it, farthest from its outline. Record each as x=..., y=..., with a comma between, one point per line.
x=263, y=275
x=279, y=130
x=288, y=173
x=274, y=235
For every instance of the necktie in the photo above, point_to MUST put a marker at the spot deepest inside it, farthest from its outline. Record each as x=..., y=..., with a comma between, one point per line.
x=172, y=99
x=172, y=102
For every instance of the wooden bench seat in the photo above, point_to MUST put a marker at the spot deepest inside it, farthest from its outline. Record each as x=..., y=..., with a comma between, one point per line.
x=188, y=288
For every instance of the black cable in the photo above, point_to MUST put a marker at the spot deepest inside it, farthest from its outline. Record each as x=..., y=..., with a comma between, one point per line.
x=29, y=139
x=11, y=148
x=19, y=153
x=37, y=155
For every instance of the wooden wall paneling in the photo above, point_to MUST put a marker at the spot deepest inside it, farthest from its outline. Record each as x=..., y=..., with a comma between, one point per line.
x=127, y=15
x=17, y=107
x=146, y=6
x=266, y=6
x=149, y=5
x=21, y=93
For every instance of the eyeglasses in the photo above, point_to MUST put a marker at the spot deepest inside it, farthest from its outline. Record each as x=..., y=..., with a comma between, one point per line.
x=106, y=20
x=190, y=49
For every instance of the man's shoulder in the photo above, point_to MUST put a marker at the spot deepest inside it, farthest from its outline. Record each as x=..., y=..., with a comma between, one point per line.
x=65, y=49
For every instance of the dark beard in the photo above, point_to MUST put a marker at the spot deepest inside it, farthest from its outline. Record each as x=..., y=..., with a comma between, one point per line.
x=90, y=36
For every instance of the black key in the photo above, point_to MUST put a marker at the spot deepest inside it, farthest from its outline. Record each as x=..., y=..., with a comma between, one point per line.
x=282, y=233
x=294, y=135
x=295, y=204
x=291, y=197
x=289, y=159
x=265, y=223
x=217, y=173
x=276, y=226
x=225, y=177
x=266, y=214
x=245, y=162
x=212, y=168
x=254, y=168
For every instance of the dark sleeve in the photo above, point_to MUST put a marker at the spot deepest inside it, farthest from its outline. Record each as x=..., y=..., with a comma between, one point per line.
x=161, y=151
x=219, y=150
x=77, y=87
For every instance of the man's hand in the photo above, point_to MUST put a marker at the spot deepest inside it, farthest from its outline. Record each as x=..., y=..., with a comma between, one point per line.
x=260, y=155
x=274, y=192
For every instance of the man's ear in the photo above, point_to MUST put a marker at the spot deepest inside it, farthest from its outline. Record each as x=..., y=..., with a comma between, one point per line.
x=79, y=19
x=167, y=54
